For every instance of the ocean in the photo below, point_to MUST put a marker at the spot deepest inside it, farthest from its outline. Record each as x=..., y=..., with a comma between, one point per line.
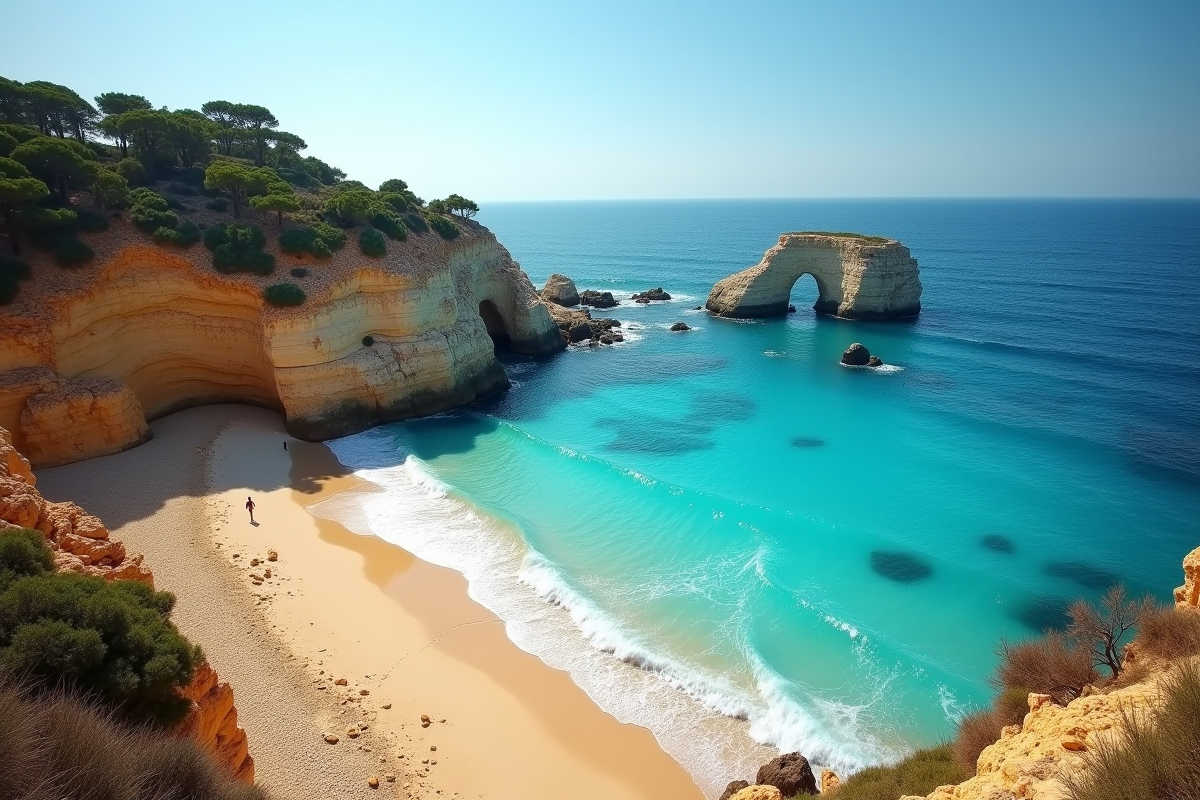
x=730, y=538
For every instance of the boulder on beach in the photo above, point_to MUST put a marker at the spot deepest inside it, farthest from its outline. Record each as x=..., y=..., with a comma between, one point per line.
x=651, y=294
x=561, y=290
x=590, y=297
x=733, y=788
x=757, y=792
x=789, y=773
x=680, y=326
x=856, y=355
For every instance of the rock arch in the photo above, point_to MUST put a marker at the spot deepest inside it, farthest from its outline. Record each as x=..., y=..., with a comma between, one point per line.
x=858, y=277
x=493, y=320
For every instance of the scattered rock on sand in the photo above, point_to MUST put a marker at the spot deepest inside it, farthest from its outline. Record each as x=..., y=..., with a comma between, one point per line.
x=389, y=777
x=789, y=773
x=829, y=781
x=680, y=326
x=386, y=706
x=340, y=682
x=272, y=555
x=353, y=733
x=733, y=788
x=364, y=692
x=758, y=792
x=856, y=355
x=254, y=562
x=373, y=781
x=331, y=738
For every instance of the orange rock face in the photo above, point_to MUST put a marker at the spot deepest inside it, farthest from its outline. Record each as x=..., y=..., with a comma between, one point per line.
x=1188, y=595
x=81, y=544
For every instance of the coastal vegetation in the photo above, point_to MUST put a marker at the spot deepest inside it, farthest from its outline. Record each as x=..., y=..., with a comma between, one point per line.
x=847, y=235
x=55, y=147
x=59, y=745
x=113, y=640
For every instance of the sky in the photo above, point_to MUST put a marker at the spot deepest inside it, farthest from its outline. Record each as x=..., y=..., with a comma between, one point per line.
x=637, y=100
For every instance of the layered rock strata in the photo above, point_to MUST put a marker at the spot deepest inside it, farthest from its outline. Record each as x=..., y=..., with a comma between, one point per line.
x=857, y=278
x=152, y=331
x=81, y=544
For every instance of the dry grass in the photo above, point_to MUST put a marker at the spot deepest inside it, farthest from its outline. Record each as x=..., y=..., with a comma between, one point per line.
x=1169, y=633
x=57, y=747
x=975, y=732
x=919, y=774
x=1155, y=756
x=1051, y=665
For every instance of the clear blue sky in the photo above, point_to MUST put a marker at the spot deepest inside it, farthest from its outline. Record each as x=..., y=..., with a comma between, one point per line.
x=574, y=100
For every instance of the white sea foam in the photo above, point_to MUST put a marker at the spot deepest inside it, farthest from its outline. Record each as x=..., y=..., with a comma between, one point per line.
x=883, y=369
x=698, y=716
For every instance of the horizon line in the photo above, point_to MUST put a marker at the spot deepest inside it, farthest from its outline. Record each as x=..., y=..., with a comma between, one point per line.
x=1102, y=198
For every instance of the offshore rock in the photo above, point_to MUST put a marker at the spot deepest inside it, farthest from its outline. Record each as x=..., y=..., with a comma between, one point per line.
x=590, y=297
x=790, y=773
x=874, y=361
x=651, y=294
x=856, y=355
x=561, y=290
x=858, y=277
x=680, y=326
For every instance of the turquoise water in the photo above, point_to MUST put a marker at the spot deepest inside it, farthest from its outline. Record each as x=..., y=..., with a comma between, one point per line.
x=780, y=539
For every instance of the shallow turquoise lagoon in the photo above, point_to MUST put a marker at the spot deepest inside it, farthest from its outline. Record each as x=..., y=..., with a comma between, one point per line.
x=728, y=522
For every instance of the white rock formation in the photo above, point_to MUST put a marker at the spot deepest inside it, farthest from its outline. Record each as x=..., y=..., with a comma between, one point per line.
x=857, y=277
x=561, y=290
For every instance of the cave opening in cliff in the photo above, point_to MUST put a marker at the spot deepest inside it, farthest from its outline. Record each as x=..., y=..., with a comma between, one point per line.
x=805, y=292
x=501, y=340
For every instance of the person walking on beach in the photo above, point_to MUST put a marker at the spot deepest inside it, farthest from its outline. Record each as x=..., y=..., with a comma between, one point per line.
x=285, y=444
x=250, y=508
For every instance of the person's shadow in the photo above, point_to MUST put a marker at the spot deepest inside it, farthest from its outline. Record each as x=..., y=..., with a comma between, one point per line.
x=254, y=523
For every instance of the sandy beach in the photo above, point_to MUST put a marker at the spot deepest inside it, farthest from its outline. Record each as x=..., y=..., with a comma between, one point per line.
x=349, y=635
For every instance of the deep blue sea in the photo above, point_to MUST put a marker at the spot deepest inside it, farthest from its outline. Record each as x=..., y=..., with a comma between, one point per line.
x=730, y=538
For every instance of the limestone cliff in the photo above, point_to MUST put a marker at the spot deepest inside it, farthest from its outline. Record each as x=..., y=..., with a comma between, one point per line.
x=81, y=544
x=858, y=277
x=87, y=356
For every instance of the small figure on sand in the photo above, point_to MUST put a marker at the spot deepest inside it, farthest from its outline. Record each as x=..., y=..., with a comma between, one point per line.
x=250, y=508
x=285, y=444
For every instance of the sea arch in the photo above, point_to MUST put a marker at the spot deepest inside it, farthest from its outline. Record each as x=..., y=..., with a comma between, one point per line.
x=857, y=277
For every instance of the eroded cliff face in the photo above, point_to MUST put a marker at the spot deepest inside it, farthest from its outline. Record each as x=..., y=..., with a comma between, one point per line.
x=151, y=331
x=857, y=278
x=81, y=544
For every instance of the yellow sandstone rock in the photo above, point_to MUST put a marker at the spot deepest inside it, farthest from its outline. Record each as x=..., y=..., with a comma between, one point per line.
x=757, y=793
x=1188, y=595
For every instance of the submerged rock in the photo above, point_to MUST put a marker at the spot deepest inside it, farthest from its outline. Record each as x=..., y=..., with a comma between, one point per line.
x=856, y=355
x=591, y=297
x=561, y=290
x=998, y=543
x=789, y=773
x=902, y=567
x=680, y=326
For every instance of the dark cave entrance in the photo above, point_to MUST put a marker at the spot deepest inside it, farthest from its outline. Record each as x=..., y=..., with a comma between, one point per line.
x=492, y=319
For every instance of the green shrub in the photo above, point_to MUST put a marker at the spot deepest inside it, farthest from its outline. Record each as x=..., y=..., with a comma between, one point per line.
x=238, y=248
x=113, y=639
x=12, y=271
x=148, y=220
x=148, y=198
x=23, y=552
x=396, y=200
x=174, y=204
x=391, y=225
x=218, y=204
x=443, y=226
x=284, y=294
x=90, y=221
x=16, y=268
x=131, y=170
x=303, y=240
x=1153, y=755
x=416, y=222
x=185, y=235
x=298, y=272
x=368, y=341
x=371, y=243
x=919, y=774
x=258, y=262
x=71, y=252
x=334, y=238
x=55, y=745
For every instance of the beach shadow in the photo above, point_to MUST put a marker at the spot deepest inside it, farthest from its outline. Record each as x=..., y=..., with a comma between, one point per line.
x=900, y=567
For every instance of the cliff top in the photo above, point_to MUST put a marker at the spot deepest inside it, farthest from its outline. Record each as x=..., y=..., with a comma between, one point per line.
x=419, y=255
x=864, y=238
